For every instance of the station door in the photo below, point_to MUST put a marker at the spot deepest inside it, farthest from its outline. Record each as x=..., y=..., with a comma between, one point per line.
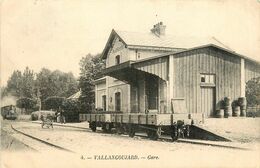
x=208, y=101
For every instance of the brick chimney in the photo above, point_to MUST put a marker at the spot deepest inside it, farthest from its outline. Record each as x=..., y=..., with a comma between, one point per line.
x=158, y=29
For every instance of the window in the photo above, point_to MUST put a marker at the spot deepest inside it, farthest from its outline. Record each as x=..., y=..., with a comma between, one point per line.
x=117, y=59
x=207, y=78
x=203, y=78
x=104, y=103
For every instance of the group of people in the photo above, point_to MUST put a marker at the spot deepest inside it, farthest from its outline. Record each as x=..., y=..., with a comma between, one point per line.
x=60, y=116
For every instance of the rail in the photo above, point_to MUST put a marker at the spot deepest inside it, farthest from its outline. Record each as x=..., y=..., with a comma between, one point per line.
x=190, y=141
x=42, y=141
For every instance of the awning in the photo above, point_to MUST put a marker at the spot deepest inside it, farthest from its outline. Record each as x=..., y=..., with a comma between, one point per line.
x=128, y=71
x=118, y=67
x=123, y=72
x=158, y=67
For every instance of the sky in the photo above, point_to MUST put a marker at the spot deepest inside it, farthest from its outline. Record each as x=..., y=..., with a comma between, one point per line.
x=56, y=34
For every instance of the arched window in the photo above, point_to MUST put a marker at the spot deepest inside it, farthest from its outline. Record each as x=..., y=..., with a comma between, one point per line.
x=117, y=59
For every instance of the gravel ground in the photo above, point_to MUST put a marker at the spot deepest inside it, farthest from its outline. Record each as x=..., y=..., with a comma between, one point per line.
x=89, y=145
x=9, y=143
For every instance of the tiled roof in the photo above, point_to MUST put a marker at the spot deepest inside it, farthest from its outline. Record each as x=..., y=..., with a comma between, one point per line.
x=168, y=41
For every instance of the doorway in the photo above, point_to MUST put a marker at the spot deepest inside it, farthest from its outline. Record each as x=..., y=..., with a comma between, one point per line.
x=104, y=104
x=151, y=91
x=208, y=99
x=117, y=101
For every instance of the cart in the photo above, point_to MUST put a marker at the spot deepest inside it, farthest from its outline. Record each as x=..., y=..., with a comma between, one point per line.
x=47, y=121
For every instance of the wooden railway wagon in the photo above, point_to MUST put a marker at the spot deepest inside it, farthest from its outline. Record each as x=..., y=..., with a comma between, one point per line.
x=153, y=124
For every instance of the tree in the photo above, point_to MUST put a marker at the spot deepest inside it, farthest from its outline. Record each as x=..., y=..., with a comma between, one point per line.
x=253, y=92
x=43, y=83
x=71, y=110
x=14, y=84
x=53, y=102
x=28, y=83
x=90, y=69
x=26, y=103
x=55, y=83
x=3, y=91
x=46, y=84
x=21, y=84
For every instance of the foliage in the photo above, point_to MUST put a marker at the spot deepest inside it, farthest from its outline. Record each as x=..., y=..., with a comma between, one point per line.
x=71, y=110
x=253, y=92
x=3, y=91
x=55, y=83
x=53, y=102
x=28, y=86
x=21, y=84
x=42, y=85
x=26, y=103
x=90, y=69
x=14, y=84
x=70, y=105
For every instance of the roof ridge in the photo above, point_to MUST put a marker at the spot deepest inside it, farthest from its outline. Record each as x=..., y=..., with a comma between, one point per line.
x=222, y=43
x=150, y=33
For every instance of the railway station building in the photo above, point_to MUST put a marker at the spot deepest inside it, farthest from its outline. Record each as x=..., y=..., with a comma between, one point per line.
x=146, y=71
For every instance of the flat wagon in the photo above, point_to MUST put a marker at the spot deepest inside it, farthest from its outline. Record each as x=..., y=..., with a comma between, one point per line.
x=175, y=124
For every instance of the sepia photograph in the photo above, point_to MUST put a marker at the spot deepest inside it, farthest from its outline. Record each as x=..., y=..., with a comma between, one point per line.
x=130, y=83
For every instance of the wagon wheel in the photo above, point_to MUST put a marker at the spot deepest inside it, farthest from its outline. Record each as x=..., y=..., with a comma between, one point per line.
x=94, y=129
x=174, y=138
x=108, y=128
x=124, y=129
x=131, y=132
x=93, y=126
x=175, y=133
x=119, y=129
x=149, y=134
x=156, y=134
x=103, y=127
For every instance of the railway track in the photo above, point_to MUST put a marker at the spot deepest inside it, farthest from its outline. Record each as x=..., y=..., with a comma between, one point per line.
x=41, y=141
x=165, y=138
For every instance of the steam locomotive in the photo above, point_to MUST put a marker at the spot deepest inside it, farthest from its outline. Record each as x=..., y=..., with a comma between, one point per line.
x=9, y=112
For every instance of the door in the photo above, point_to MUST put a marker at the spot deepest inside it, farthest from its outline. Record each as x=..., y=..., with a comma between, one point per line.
x=151, y=90
x=117, y=101
x=208, y=101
